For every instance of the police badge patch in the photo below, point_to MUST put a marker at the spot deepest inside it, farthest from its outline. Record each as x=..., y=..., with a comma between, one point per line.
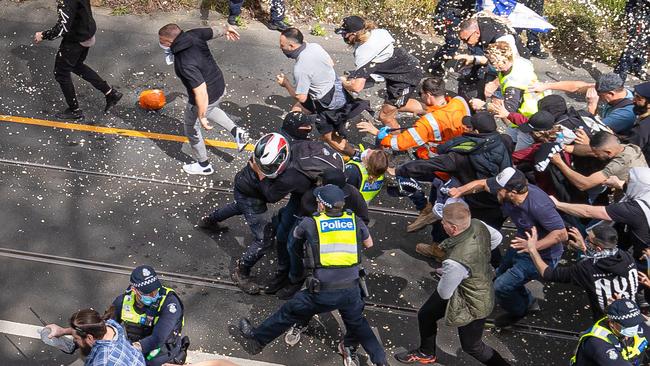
x=171, y=308
x=612, y=354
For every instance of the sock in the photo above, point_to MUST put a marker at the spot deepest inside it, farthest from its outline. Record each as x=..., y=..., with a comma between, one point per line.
x=204, y=164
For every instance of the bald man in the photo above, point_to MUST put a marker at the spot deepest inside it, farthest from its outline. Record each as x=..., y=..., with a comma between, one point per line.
x=606, y=147
x=465, y=294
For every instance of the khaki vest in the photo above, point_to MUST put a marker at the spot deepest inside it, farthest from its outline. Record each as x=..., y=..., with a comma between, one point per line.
x=474, y=297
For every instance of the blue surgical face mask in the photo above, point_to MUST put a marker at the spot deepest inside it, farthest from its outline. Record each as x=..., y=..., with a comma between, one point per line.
x=148, y=300
x=630, y=332
x=364, y=154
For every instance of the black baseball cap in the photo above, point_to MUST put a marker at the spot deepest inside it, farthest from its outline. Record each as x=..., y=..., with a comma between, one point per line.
x=540, y=121
x=351, y=24
x=329, y=195
x=483, y=122
x=510, y=178
x=643, y=89
x=608, y=82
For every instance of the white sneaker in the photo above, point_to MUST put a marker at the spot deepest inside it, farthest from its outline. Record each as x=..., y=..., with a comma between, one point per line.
x=241, y=138
x=196, y=168
x=293, y=335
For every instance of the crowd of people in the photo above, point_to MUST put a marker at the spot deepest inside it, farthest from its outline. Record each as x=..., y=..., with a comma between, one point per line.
x=503, y=147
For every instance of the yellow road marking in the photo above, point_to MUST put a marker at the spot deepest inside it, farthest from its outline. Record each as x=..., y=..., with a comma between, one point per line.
x=115, y=131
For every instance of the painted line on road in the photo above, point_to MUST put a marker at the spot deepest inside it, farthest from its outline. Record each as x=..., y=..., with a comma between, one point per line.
x=33, y=331
x=115, y=131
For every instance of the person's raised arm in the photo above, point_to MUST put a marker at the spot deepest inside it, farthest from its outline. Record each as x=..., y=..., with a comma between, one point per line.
x=469, y=188
x=578, y=180
x=569, y=86
x=582, y=211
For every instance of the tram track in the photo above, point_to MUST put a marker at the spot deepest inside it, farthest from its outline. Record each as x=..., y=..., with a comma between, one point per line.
x=219, y=283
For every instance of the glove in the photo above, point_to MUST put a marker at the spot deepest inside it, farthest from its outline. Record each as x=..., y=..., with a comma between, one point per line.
x=383, y=132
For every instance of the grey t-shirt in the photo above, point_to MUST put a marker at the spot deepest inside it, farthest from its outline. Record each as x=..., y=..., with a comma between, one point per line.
x=314, y=72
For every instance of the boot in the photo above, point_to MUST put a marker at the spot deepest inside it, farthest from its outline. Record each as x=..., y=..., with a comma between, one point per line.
x=206, y=223
x=426, y=217
x=112, y=98
x=431, y=250
x=278, y=282
x=243, y=280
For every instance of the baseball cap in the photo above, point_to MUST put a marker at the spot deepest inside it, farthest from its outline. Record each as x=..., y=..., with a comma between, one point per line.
x=643, y=89
x=540, y=121
x=608, y=82
x=510, y=178
x=483, y=122
x=350, y=24
x=329, y=195
x=145, y=279
x=625, y=313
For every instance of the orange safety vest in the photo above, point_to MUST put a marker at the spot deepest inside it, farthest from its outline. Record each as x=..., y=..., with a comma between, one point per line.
x=440, y=124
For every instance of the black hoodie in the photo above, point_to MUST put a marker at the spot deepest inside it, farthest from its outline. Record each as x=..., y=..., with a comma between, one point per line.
x=194, y=64
x=600, y=278
x=75, y=22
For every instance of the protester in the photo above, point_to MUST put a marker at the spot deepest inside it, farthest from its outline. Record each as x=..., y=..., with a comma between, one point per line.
x=203, y=79
x=101, y=342
x=617, y=339
x=333, y=283
x=442, y=121
x=464, y=296
x=639, y=135
x=528, y=207
x=603, y=272
x=377, y=58
x=76, y=25
x=317, y=90
x=448, y=16
x=153, y=317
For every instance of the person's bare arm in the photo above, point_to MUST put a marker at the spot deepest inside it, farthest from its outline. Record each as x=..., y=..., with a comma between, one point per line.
x=353, y=85
x=552, y=238
x=367, y=243
x=582, y=211
x=202, y=100
x=285, y=83
x=469, y=188
x=569, y=86
x=530, y=246
x=578, y=180
x=579, y=149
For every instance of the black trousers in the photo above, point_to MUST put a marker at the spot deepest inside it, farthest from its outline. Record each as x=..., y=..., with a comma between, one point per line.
x=471, y=335
x=70, y=58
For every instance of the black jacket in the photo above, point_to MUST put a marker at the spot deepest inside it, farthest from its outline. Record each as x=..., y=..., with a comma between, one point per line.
x=600, y=278
x=75, y=22
x=491, y=30
x=639, y=135
x=353, y=201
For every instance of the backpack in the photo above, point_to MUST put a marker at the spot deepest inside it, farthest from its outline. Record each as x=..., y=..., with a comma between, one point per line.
x=487, y=154
x=313, y=157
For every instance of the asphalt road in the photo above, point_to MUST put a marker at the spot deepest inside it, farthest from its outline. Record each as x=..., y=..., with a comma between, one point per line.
x=122, y=201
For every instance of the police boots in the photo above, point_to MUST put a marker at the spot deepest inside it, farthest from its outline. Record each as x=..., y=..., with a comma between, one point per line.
x=241, y=276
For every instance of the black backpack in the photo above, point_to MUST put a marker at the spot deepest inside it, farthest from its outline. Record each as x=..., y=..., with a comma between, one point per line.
x=487, y=154
x=313, y=157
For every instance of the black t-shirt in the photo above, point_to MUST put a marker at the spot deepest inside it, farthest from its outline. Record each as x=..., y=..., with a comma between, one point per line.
x=631, y=214
x=195, y=65
x=402, y=68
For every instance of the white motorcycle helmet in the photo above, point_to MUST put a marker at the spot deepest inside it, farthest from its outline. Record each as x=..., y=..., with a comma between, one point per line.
x=271, y=154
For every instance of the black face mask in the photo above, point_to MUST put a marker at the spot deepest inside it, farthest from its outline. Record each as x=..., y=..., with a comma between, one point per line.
x=640, y=110
x=294, y=54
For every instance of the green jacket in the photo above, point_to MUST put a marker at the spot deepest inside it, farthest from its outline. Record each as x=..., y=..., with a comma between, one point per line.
x=474, y=297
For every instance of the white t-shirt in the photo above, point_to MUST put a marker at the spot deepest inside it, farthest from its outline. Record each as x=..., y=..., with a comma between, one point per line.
x=378, y=48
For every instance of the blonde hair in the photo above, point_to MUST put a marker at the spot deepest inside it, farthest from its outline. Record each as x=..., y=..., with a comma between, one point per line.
x=364, y=34
x=499, y=51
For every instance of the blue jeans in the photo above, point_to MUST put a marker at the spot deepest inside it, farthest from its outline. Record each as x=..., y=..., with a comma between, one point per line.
x=256, y=215
x=304, y=305
x=420, y=200
x=515, y=271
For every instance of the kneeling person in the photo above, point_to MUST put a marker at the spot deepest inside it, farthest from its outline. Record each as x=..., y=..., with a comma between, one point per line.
x=152, y=316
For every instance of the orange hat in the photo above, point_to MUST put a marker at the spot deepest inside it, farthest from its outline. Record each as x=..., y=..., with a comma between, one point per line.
x=152, y=99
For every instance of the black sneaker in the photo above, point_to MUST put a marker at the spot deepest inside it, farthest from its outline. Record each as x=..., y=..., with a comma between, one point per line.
x=244, y=281
x=243, y=335
x=70, y=114
x=506, y=320
x=111, y=99
x=289, y=290
x=279, y=281
x=415, y=357
x=233, y=20
x=278, y=25
x=349, y=354
x=207, y=224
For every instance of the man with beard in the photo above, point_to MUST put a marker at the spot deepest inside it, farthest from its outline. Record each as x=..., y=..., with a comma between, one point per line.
x=102, y=342
x=527, y=206
x=640, y=133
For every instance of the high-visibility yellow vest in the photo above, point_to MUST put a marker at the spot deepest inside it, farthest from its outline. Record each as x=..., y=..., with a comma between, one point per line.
x=368, y=189
x=337, y=241
x=522, y=76
x=141, y=323
x=602, y=333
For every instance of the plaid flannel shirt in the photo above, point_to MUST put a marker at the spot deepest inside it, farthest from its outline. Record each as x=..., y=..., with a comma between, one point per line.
x=115, y=352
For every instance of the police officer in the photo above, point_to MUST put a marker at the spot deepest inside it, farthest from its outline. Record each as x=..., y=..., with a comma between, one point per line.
x=367, y=174
x=617, y=339
x=332, y=255
x=152, y=316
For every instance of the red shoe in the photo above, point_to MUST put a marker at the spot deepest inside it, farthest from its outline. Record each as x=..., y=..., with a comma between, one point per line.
x=415, y=357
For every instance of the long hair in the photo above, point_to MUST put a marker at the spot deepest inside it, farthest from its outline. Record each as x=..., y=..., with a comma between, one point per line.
x=88, y=321
x=364, y=34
